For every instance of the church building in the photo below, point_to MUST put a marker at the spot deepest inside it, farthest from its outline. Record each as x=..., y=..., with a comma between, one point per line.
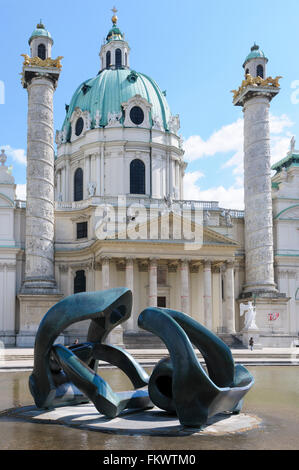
x=107, y=208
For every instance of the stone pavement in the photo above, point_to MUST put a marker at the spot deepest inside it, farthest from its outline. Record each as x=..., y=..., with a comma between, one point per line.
x=22, y=358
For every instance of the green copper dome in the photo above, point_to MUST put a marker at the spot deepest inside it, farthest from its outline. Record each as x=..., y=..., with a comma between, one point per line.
x=40, y=31
x=109, y=89
x=255, y=53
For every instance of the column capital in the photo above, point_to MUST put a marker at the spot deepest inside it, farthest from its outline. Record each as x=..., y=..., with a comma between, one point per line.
x=207, y=263
x=216, y=268
x=129, y=258
x=230, y=264
x=63, y=268
x=184, y=262
x=105, y=259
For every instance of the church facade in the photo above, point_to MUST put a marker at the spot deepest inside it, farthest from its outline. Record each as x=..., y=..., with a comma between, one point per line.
x=108, y=209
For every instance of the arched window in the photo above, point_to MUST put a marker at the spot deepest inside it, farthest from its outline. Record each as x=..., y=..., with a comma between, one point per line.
x=78, y=185
x=260, y=71
x=108, y=59
x=41, y=51
x=246, y=72
x=137, y=177
x=118, y=58
x=80, y=282
x=126, y=59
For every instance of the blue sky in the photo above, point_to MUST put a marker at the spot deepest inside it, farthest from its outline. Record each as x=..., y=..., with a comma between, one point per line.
x=193, y=49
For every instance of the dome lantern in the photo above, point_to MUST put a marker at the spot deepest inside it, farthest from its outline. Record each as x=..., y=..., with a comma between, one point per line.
x=114, y=53
x=40, y=42
x=255, y=62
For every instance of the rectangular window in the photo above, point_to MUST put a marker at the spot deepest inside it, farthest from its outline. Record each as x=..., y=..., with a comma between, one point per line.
x=82, y=230
x=161, y=301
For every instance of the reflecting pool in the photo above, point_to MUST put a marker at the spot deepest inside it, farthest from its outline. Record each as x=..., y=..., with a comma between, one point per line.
x=274, y=398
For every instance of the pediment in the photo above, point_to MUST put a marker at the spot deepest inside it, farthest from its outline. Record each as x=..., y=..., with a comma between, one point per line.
x=211, y=237
x=170, y=226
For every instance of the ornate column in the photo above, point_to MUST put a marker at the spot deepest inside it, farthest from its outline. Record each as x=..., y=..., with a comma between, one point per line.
x=207, y=296
x=185, y=288
x=39, y=290
x=153, y=291
x=230, y=298
x=130, y=324
x=254, y=96
x=39, y=241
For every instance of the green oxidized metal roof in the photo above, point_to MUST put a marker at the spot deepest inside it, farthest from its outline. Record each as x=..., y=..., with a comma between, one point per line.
x=109, y=89
x=40, y=30
x=289, y=160
x=255, y=53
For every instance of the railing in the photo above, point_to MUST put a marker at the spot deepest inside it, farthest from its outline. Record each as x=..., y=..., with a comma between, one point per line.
x=129, y=200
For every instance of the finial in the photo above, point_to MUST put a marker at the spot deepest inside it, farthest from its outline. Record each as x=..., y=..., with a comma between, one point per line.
x=3, y=157
x=255, y=47
x=114, y=17
x=40, y=25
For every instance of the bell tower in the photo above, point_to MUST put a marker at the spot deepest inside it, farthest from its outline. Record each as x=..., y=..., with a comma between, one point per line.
x=39, y=291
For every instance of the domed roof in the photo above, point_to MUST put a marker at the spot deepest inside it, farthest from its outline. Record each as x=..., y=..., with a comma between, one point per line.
x=109, y=89
x=255, y=53
x=40, y=30
x=114, y=34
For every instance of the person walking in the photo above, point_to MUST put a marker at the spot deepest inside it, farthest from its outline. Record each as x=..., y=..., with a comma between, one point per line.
x=251, y=343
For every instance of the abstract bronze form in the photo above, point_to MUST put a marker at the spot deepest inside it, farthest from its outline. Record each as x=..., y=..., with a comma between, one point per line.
x=178, y=384
x=66, y=376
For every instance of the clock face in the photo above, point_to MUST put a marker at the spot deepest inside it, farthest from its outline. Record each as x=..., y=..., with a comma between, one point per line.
x=79, y=126
x=137, y=115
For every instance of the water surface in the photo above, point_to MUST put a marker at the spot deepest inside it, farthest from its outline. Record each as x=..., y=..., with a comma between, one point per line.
x=274, y=398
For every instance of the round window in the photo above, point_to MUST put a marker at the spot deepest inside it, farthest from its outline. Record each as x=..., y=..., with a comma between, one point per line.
x=137, y=115
x=79, y=126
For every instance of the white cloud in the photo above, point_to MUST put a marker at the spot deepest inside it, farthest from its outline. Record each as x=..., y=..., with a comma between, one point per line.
x=18, y=155
x=21, y=192
x=230, y=198
x=229, y=139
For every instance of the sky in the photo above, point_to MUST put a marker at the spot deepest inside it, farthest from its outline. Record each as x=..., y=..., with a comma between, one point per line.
x=193, y=49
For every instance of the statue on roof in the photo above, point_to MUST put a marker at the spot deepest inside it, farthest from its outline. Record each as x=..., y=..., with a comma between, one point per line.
x=292, y=146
